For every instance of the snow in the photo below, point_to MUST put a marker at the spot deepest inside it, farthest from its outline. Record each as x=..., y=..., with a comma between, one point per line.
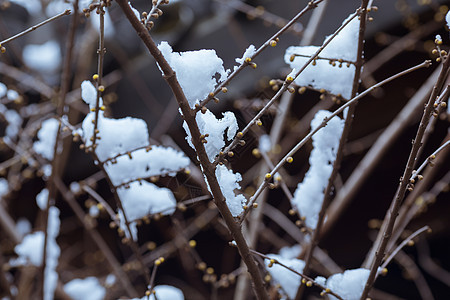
x=45, y=58
x=135, y=11
x=41, y=199
x=209, y=124
x=45, y=146
x=142, y=199
x=309, y=194
x=3, y=90
x=12, y=95
x=157, y=161
x=75, y=187
x=290, y=252
x=247, y=54
x=88, y=288
x=14, y=121
x=195, y=70
x=118, y=136
x=336, y=80
x=4, y=187
x=265, y=144
x=438, y=38
x=228, y=182
x=164, y=292
x=447, y=19
x=94, y=211
x=122, y=146
x=30, y=250
x=89, y=94
x=288, y=280
x=23, y=227
x=349, y=285
x=53, y=252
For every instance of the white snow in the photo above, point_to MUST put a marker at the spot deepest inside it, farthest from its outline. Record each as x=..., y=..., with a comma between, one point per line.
x=3, y=90
x=12, y=95
x=209, y=124
x=309, y=195
x=247, y=54
x=265, y=145
x=14, y=121
x=349, y=285
x=89, y=94
x=4, y=187
x=109, y=30
x=288, y=280
x=135, y=11
x=195, y=70
x=228, y=182
x=142, y=199
x=336, y=80
x=45, y=58
x=75, y=187
x=157, y=161
x=118, y=136
x=23, y=227
x=30, y=250
x=41, y=199
x=53, y=252
x=164, y=292
x=45, y=146
x=290, y=252
x=94, y=211
x=88, y=288
x=447, y=19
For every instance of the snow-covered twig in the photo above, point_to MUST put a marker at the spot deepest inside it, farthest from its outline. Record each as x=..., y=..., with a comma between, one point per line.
x=323, y=124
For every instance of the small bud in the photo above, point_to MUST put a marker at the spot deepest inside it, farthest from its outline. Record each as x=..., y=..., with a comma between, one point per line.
x=434, y=51
x=239, y=134
x=289, y=79
x=210, y=270
x=255, y=205
x=302, y=90
x=273, y=43
x=230, y=153
x=289, y=159
x=309, y=284
x=410, y=243
x=192, y=243
x=291, y=59
x=384, y=271
x=101, y=88
x=259, y=123
x=272, y=82
x=224, y=90
x=95, y=77
x=267, y=176
x=253, y=65
x=248, y=59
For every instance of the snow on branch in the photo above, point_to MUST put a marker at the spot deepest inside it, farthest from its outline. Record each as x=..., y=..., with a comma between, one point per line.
x=308, y=197
x=196, y=71
x=334, y=69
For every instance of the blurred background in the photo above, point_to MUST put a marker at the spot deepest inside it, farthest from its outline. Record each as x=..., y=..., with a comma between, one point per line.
x=400, y=36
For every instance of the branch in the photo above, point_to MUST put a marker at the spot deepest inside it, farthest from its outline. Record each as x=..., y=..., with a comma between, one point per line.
x=208, y=168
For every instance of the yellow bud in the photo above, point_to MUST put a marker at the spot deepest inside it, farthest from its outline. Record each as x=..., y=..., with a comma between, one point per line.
x=224, y=90
x=289, y=79
x=302, y=90
x=267, y=176
x=192, y=243
x=95, y=77
x=248, y=59
x=273, y=43
x=101, y=88
x=259, y=123
x=289, y=159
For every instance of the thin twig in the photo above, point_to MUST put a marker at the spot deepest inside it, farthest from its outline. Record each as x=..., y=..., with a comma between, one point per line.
x=404, y=183
x=208, y=168
x=64, y=13
x=311, y=5
x=323, y=124
x=403, y=244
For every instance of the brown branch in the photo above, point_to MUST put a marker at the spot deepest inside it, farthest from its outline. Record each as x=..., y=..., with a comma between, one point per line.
x=323, y=124
x=64, y=13
x=208, y=168
x=404, y=183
